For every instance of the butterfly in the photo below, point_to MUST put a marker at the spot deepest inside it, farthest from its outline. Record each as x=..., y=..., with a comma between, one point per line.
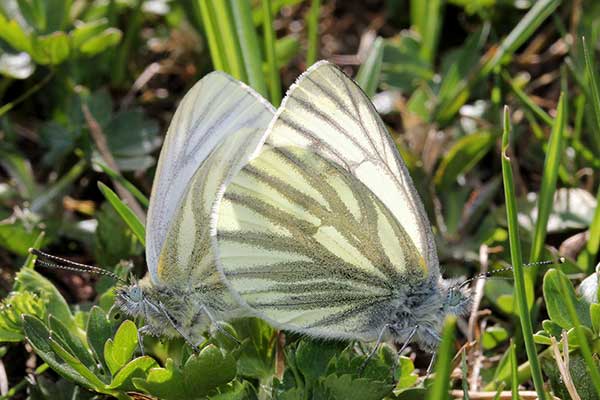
x=214, y=130
x=323, y=233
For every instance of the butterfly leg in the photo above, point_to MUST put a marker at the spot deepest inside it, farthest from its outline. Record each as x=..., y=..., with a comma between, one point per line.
x=430, y=367
x=162, y=308
x=141, y=341
x=372, y=353
x=412, y=333
x=218, y=326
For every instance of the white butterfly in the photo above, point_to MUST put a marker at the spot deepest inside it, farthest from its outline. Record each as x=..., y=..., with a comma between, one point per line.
x=215, y=129
x=323, y=232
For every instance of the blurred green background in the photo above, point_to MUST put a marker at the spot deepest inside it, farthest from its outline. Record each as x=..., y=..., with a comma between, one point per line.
x=88, y=88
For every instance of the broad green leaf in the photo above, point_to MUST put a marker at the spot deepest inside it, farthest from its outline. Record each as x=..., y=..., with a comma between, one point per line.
x=165, y=383
x=92, y=380
x=256, y=359
x=493, y=336
x=406, y=374
x=14, y=35
x=51, y=49
x=108, y=38
x=136, y=368
x=70, y=342
x=345, y=387
x=286, y=49
x=39, y=338
x=118, y=351
x=125, y=212
x=99, y=330
x=312, y=357
x=235, y=391
x=555, y=301
x=402, y=67
x=579, y=374
x=208, y=370
x=552, y=328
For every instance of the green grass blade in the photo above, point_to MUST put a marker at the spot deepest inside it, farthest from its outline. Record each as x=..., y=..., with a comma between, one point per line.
x=517, y=261
x=269, y=34
x=548, y=186
x=370, y=71
x=443, y=367
x=584, y=346
x=249, y=45
x=313, y=32
x=141, y=197
x=591, y=82
x=429, y=28
x=514, y=371
x=522, y=96
x=541, y=10
x=30, y=260
x=591, y=248
x=124, y=212
x=215, y=45
x=229, y=40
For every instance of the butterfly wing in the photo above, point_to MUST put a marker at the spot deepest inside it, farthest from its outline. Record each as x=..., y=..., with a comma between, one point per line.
x=310, y=248
x=326, y=112
x=217, y=109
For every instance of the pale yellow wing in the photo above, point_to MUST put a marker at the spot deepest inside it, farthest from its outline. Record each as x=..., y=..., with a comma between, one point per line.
x=327, y=113
x=218, y=113
x=310, y=248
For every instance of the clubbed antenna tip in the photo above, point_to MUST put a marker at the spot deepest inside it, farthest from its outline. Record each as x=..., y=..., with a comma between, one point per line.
x=49, y=261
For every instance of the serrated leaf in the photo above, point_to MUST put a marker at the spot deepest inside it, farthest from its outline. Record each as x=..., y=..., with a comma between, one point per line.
x=11, y=310
x=31, y=281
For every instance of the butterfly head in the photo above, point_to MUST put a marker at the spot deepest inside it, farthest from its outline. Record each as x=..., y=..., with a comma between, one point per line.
x=131, y=299
x=421, y=314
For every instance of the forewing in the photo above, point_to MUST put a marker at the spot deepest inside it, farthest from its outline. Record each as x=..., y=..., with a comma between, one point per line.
x=326, y=112
x=310, y=248
x=216, y=108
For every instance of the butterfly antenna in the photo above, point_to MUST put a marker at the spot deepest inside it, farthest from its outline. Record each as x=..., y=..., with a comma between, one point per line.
x=490, y=274
x=50, y=261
